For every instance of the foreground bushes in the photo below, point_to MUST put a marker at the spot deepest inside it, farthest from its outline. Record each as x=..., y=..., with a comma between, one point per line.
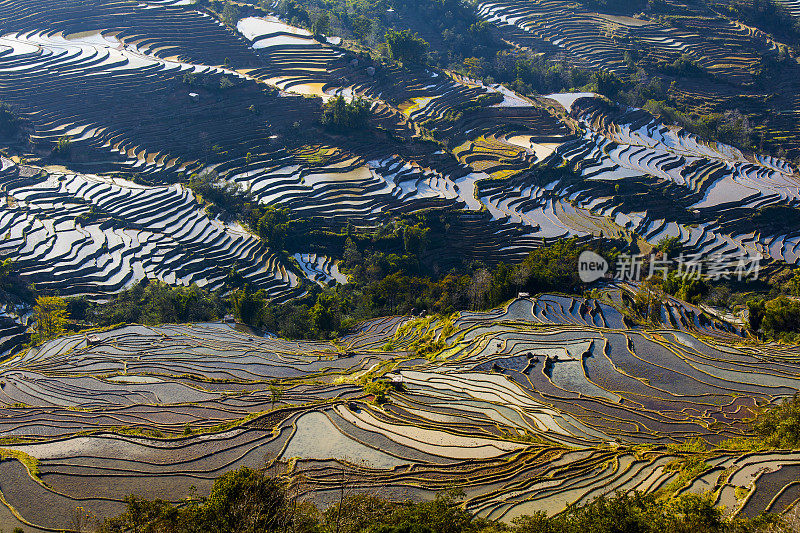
x=248, y=501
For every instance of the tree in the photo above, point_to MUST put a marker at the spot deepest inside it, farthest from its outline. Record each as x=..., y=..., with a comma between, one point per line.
x=794, y=284
x=246, y=501
x=406, y=47
x=779, y=425
x=272, y=226
x=155, y=302
x=782, y=315
x=361, y=27
x=608, y=84
x=50, y=313
x=353, y=513
x=326, y=313
x=476, y=66
x=296, y=14
x=140, y=516
x=481, y=283
x=755, y=310
x=63, y=148
x=441, y=515
x=648, y=299
x=275, y=394
x=9, y=121
x=520, y=275
x=352, y=256
x=669, y=246
x=378, y=389
x=6, y=268
x=685, y=287
x=230, y=14
x=415, y=239
x=321, y=25
x=338, y=114
x=250, y=307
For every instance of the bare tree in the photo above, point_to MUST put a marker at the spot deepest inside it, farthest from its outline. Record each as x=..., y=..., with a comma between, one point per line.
x=83, y=520
x=520, y=275
x=481, y=283
x=355, y=503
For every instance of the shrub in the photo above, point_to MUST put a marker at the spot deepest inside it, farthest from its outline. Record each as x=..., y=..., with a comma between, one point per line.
x=9, y=121
x=156, y=302
x=50, y=313
x=779, y=425
x=379, y=389
x=406, y=47
x=337, y=114
x=781, y=316
x=246, y=501
x=756, y=309
x=63, y=147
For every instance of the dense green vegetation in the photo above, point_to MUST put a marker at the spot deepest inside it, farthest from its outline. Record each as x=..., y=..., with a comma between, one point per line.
x=380, y=284
x=779, y=426
x=778, y=318
x=150, y=302
x=63, y=147
x=50, y=314
x=9, y=121
x=340, y=115
x=394, y=283
x=406, y=47
x=391, y=271
x=12, y=289
x=229, y=201
x=248, y=501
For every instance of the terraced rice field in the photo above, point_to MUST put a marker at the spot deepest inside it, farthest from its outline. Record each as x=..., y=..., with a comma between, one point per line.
x=542, y=403
x=727, y=49
x=793, y=6
x=137, y=87
x=89, y=234
x=243, y=132
x=597, y=40
x=529, y=407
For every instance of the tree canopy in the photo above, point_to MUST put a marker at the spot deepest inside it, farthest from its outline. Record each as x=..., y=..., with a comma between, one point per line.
x=340, y=115
x=248, y=501
x=406, y=47
x=50, y=313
